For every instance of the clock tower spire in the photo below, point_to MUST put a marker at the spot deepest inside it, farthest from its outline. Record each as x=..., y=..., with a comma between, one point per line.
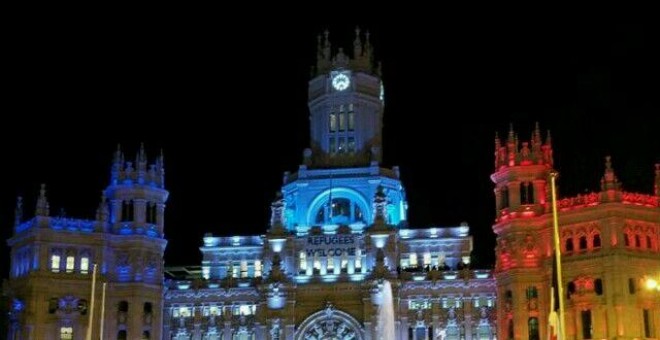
x=346, y=106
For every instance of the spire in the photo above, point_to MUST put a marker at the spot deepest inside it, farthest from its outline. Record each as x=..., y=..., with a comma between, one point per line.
x=536, y=144
x=357, y=44
x=497, y=150
x=657, y=179
x=326, y=45
x=367, y=44
x=18, y=212
x=319, y=48
x=141, y=164
x=160, y=168
x=609, y=180
x=117, y=165
x=43, y=208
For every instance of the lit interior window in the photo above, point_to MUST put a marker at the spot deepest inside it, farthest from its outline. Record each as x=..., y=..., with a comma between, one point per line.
x=244, y=269
x=55, y=263
x=358, y=258
x=331, y=263
x=257, y=268
x=66, y=333
x=413, y=260
x=84, y=265
x=303, y=261
x=70, y=263
x=427, y=258
x=184, y=312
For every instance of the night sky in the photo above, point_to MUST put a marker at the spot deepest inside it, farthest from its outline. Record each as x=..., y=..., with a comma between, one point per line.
x=229, y=109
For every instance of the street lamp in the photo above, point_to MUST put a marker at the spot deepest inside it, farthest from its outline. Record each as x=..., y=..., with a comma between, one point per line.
x=652, y=284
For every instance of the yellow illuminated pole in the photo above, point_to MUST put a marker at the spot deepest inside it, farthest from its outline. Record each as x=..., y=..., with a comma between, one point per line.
x=91, y=312
x=102, y=312
x=555, y=227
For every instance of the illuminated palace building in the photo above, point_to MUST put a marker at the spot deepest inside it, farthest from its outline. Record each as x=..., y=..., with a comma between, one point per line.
x=339, y=260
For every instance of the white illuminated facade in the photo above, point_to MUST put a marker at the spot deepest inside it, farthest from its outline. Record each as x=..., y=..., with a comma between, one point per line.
x=338, y=229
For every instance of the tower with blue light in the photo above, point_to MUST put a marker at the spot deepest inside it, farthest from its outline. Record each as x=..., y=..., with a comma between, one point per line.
x=341, y=169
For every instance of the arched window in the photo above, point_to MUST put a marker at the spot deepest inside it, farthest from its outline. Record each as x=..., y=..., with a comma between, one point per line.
x=569, y=244
x=533, y=324
x=121, y=335
x=146, y=335
x=626, y=239
x=598, y=286
x=582, y=242
x=127, y=211
x=504, y=192
x=597, y=241
x=147, y=308
x=122, y=307
x=649, y=242
x=638, y=241
x=66, y=333
x=526, y=193
x=340, y=211
x=510, y=330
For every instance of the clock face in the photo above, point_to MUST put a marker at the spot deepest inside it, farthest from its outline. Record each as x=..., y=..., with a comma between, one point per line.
x=340, y=82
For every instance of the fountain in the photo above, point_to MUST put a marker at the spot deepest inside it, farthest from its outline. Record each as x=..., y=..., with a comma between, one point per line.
x=385, y=325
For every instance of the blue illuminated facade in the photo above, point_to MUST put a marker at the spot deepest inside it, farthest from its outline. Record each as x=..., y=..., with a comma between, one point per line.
x=338, y=228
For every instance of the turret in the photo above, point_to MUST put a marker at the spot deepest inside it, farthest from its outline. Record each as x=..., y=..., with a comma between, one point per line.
x=136, y=194
x=521, y=172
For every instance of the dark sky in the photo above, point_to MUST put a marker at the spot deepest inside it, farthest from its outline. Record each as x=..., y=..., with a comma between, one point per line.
x=229, y=110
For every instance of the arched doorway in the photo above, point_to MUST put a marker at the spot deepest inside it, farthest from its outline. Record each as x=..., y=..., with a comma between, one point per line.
x=330, y=324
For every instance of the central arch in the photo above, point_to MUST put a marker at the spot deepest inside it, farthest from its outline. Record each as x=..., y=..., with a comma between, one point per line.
x=354, y=200
x=330, y=324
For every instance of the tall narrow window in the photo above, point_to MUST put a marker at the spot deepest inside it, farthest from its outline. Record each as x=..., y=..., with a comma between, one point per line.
x=638, y=241
x=569, y=244
x=302, y=261
x=84, y=265
x=333, y=145
x=351, y=118
x=358, y=258
x=510, y=330
x=333, y=122
x=121, y=335
x=626, y=239
x=413, y=260
x=66, y=333
x=598, y=286
x=534, y=329
x=330, y=266
x=55, y=263
x=148, y=308
x=582, y=242
x=70, y=263
x=146, y=335
x=351, y=144
x=342, y=145
x=632, y=288
x=649, y=243
x=526, y=193
x=257, y=268
x=504, y=196
x=427, y=259
x=586, y=324
x=647, y=323
x=597, y=241
x=342, y=119
x=244, y=269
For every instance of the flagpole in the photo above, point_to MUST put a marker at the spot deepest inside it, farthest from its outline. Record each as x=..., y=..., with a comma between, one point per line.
x=102, y=311
x=91, y=312
x=555, y=227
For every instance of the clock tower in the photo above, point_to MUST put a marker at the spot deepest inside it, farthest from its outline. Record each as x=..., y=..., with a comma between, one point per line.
x=341, y=171
x=346, y=106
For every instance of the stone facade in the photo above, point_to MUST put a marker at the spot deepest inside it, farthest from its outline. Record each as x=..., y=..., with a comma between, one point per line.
x=339, y=250
x=609, y=246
